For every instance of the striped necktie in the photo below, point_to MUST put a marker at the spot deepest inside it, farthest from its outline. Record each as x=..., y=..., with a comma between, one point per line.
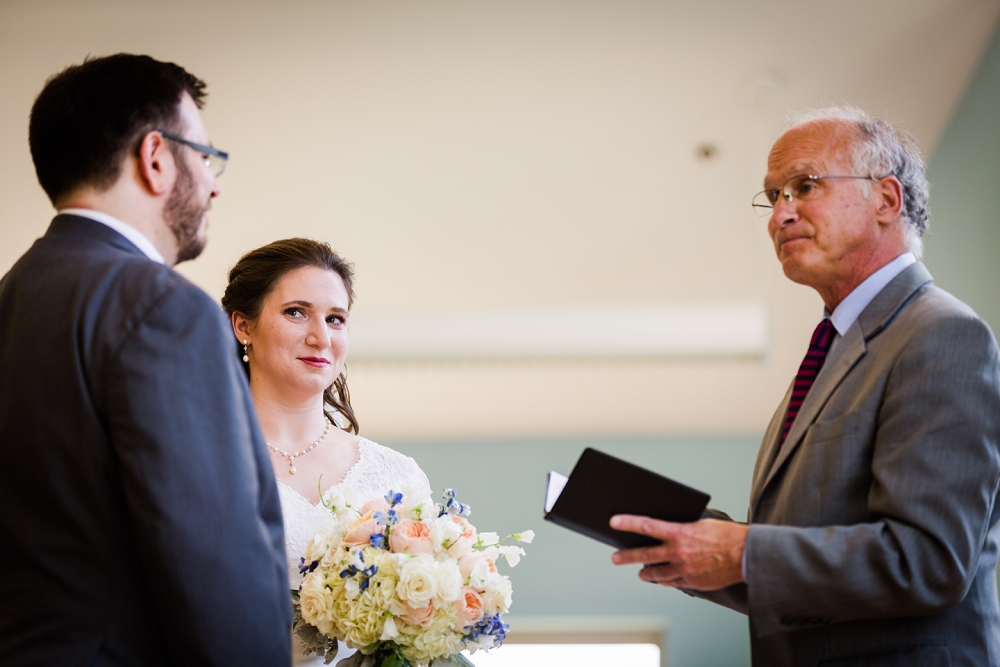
x=811, y=365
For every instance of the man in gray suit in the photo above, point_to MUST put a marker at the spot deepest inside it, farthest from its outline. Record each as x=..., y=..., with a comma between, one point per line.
x=873, y=524
x=139, y=516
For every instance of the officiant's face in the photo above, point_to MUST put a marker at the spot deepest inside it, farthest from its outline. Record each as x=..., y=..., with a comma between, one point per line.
x=821, y=240
x=299, y=342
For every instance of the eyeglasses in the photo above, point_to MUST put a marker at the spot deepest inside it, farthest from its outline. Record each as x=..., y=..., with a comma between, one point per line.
x=215, y=159
x=797, y=188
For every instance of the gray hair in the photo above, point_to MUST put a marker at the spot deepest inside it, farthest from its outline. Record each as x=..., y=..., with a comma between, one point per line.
x=884, y=148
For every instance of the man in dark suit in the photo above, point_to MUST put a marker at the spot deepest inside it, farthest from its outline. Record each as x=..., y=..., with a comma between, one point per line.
x=873, y=526
x=139, y=517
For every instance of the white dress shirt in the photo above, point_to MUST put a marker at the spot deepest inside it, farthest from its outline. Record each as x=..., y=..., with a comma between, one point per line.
x=137, y=238
x=845, y=314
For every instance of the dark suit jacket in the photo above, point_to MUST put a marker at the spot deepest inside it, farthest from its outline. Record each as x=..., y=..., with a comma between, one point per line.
x=874, y=530
x=139, y=516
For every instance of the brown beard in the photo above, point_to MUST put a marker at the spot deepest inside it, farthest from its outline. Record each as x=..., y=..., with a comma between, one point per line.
x=183, y=214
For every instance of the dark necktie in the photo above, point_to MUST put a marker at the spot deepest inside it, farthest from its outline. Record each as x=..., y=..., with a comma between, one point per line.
x=811, y=365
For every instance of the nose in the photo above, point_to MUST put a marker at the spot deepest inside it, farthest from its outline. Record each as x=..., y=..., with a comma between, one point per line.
x=317, y=334
x=785, y=213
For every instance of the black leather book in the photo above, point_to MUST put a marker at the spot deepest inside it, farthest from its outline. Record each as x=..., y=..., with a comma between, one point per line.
x=601, y=486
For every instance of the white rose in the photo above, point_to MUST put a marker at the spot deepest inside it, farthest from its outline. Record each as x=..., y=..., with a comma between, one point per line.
x=449, y=581
x=418, y=583
x=319, y=546
x=315, y=603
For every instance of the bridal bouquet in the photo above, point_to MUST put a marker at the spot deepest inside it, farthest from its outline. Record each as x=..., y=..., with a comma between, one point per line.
x=407, y=582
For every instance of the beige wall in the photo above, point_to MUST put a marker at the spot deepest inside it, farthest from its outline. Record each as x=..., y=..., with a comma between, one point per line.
x=510, y=154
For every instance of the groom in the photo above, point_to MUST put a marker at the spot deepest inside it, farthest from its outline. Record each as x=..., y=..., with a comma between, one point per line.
x=139, y=519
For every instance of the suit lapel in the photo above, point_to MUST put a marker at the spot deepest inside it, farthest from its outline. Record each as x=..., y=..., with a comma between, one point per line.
x=768, y=449
x=849, y=350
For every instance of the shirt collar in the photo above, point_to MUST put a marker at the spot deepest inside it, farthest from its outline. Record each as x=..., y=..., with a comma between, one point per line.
x=853, y=305
x=138, y=239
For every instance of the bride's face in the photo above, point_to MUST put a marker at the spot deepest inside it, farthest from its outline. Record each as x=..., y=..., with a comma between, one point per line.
x=299, y=343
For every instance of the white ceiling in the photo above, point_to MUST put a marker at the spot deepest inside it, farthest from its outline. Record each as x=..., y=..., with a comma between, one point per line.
x=500, y=155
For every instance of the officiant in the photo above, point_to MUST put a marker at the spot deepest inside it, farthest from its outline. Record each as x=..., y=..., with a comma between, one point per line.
x=872, y=533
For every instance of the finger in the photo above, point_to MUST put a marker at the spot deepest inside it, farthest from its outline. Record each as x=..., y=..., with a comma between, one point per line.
x=643, y=525
x=644, y=555
x=665, y=574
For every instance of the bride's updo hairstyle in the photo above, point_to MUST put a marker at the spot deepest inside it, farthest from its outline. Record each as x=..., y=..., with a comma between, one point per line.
x=257, y=273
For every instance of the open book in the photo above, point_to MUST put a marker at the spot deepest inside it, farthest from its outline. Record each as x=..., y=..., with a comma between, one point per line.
x=601, y=486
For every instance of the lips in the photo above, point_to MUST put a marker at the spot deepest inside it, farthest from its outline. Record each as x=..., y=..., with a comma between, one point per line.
x=315, y=362
x=789, y=239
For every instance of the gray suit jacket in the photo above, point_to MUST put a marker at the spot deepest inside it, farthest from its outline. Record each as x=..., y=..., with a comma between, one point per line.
x=139, y=516
x=874, y=535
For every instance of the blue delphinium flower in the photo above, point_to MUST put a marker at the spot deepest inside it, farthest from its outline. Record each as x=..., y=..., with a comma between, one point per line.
x=393, y=497
x=389, y=518
x=452, y=506
x=306, y=569
x=490, y=626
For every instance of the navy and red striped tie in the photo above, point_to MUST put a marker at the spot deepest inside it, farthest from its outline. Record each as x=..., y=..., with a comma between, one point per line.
x=811, y=365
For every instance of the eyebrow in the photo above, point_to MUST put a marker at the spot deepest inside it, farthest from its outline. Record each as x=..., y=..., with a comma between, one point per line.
x=307, y=304
x=797, y=170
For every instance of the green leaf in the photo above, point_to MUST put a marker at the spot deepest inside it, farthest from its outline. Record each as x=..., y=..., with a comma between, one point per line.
x=352, y=661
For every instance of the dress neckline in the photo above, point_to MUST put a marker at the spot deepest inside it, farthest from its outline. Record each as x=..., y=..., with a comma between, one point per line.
x=350, y=471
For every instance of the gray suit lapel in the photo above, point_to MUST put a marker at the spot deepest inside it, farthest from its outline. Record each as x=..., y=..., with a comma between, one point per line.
x=768, y=449
x=851, y=348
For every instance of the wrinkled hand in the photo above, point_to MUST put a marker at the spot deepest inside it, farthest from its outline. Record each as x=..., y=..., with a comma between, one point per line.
x=705, y=555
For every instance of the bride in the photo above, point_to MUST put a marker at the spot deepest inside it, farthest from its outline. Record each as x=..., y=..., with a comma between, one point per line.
x=289, y=303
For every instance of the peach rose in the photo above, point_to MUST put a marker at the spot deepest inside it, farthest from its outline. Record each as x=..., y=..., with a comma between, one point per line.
x=463, y=545
x=422, y=616
x=375, y=505
x=468, y=608
x=360, y=532
x=411, y=537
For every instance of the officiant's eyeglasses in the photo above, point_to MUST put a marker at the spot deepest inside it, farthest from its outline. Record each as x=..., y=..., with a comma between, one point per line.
x=797, y=188
x=215, y=159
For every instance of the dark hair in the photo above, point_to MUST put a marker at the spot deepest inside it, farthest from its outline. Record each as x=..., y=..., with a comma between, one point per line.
x=257, y=273
x=90, y=116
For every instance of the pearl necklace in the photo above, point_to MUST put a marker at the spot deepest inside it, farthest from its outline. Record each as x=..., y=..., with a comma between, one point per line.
x=291, y=457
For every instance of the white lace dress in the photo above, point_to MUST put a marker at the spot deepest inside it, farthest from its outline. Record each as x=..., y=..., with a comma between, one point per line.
x=377, y=470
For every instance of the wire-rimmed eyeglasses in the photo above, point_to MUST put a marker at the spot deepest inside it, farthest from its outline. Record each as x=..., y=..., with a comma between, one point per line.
x=797, y=188
x=215, y=159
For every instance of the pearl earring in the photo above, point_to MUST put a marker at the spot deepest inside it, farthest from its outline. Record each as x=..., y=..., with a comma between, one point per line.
x=246, y=355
